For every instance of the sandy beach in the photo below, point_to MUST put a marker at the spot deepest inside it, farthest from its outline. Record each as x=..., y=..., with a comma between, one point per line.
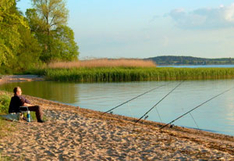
x=74, y=133
x=19, y=78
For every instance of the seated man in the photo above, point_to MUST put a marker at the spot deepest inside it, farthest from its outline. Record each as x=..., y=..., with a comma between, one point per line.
x=17, y=100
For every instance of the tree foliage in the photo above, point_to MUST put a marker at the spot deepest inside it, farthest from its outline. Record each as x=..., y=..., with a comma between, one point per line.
x=10, y=21
x=19, y=50
x=48, y=21
x=41, y=36
x=64, y=46
x=29, y=51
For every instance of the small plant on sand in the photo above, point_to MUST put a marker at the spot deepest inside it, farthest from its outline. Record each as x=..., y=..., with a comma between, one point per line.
x=4, y=158
x=6, y=127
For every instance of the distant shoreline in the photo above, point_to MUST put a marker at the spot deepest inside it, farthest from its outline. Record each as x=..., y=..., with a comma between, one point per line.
x=199, y=66
x=189, y=60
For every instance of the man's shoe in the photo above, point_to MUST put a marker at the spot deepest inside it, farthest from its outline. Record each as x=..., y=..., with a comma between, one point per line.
x=41, y=121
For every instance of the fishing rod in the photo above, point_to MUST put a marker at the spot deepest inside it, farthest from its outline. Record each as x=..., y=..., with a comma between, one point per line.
x=159, y=101
x=195, y=108
x=132, y=99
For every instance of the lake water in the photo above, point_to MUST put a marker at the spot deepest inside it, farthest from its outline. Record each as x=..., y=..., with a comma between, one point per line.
x=215, y=116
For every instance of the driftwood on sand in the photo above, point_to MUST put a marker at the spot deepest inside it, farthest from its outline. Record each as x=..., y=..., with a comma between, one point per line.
x=73, y=133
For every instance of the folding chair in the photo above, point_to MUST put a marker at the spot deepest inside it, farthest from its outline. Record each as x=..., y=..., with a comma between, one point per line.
x=24, y=109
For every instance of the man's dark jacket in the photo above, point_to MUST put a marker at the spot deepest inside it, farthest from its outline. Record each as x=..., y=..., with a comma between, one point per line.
x=16, y=102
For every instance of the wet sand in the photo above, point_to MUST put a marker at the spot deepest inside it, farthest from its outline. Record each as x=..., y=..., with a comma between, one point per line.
x=73, y=133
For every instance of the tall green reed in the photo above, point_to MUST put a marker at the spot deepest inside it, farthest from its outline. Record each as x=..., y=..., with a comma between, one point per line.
x=119, y=74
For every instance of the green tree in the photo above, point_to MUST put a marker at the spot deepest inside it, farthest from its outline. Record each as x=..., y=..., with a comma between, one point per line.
x=28, y=54
x=48, y=21
x=64, y=46
x=10, y=22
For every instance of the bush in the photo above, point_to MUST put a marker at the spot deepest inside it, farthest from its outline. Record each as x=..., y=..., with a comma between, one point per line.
x=4, y=103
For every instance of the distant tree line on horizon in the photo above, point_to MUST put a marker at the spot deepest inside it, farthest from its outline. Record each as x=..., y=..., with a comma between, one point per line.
x=189, y=60
x=40, y=37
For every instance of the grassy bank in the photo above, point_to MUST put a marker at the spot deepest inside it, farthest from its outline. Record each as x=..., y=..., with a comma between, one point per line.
x=118, y=74
x=5, y=126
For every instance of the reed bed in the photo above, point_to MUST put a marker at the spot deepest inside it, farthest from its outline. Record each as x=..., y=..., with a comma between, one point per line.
x=103, y=63
x=119, y=74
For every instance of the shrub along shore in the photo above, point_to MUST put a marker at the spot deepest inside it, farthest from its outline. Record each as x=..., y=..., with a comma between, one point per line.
x=120, y=74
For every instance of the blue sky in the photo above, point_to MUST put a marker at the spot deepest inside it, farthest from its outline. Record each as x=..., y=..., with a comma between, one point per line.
x=142, y=29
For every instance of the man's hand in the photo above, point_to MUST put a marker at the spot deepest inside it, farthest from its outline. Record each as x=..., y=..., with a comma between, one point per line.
x=27, y=104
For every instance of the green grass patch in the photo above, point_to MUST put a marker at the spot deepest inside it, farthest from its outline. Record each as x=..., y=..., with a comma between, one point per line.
x=4, y=103
x=4, y=158
x=5, y=126
x=120, y=74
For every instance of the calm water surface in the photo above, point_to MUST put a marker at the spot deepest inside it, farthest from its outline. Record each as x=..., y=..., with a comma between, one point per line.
x=216, y=115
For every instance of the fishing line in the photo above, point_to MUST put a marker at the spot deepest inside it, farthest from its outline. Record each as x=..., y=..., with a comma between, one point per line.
x=195, y=108
x=159, y=102
x=158, y=114
x=132, y=99
x=194, y=120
